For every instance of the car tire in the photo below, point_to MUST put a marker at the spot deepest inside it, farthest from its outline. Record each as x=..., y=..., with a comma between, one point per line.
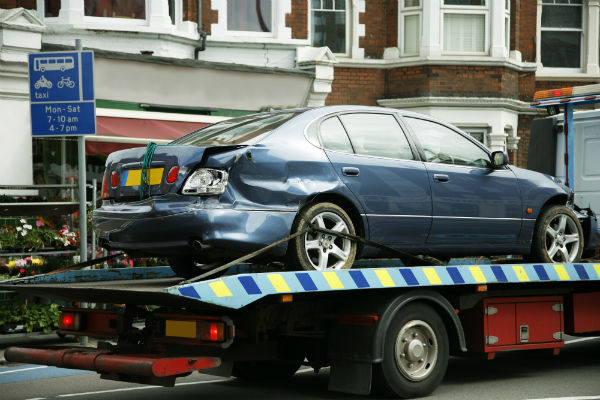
x=415, y=353
x=557, y=237
x=317, y=251
x=184, y=267
x=265, y=370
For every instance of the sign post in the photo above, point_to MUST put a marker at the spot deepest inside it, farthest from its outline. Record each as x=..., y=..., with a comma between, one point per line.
x=63, y=104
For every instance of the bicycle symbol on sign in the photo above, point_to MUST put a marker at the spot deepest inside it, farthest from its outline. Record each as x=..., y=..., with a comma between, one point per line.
x=65, y=82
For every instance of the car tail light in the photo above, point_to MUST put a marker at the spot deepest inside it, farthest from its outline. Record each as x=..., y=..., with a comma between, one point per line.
x=69, y=321
x=114, y=179
x=172, y=175
x=105, y=195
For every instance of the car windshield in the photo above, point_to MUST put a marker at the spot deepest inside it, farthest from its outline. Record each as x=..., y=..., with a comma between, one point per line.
x=244, y=130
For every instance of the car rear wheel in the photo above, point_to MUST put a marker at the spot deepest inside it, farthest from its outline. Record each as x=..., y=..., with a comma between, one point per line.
x=558, y=236
x=319, y=251
x=187, y=267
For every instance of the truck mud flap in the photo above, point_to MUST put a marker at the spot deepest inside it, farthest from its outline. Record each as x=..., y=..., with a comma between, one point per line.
x=141, y=368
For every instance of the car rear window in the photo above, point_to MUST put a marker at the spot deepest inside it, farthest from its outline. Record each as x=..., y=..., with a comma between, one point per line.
x=244, y=130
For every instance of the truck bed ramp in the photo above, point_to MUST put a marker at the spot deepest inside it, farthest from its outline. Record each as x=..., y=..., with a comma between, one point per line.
x=238, y=291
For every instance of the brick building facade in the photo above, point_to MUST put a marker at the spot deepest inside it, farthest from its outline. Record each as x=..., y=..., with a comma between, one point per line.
x=474, y=63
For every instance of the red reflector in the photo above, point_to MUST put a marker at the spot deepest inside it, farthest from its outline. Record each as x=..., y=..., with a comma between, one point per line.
x=105, y=194
x=173, y=173
x=114, y=179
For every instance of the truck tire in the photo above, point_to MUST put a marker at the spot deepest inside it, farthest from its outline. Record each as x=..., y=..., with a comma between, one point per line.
x=317, y=251
x=265, y=370
x=415, y=353
x=557, y=237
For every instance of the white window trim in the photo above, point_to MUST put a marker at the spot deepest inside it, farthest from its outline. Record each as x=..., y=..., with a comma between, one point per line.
x=588, y=68
x=157, y=19
x=279, y=32
x=483, y=129
x=348, y=12
x=404, y=12
x=472, y=10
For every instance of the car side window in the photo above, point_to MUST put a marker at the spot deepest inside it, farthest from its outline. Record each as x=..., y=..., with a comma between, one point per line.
x=443, y=145
x=377, y=135
x=333, y=136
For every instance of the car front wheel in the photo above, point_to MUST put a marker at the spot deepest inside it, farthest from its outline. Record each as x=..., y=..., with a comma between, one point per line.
x=558, y=236
x=320, y=251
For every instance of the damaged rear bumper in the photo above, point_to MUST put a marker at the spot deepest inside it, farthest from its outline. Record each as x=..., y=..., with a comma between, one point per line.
x=178, y=225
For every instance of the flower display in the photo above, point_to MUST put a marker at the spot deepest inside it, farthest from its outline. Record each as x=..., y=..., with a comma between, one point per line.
x=67, y=237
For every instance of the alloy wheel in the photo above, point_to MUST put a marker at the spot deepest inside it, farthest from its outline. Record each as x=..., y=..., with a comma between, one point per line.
x=328, y=251
x=562, y=239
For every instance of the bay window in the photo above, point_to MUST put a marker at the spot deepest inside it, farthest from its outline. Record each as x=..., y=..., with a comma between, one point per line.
x=134, y=9
x=411, y=14
x=464, y=26
x=249, y=16
x=328, y=24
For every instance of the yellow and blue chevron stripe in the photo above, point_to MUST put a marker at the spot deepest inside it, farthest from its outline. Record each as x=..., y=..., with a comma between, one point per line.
x=238, y=291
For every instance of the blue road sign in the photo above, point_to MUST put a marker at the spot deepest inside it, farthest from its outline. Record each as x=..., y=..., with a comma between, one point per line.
x=61, y=87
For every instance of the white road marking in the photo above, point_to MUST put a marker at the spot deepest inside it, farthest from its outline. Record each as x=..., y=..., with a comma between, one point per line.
x=23, y=369
x=571, y=398
x=140, y=388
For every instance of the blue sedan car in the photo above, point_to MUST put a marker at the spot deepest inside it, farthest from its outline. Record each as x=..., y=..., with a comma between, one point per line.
x=405, y=180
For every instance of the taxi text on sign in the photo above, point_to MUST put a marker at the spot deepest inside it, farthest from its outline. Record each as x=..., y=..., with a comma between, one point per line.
x=61, y=87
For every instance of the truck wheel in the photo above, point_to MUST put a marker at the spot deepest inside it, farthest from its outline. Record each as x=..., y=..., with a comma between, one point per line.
x=265, y=370
x=415, y=353
x=319, y=251
x=558, y=236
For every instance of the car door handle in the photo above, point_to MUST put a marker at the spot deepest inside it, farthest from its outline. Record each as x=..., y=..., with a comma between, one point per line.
x=441, y=178
x=350, y=171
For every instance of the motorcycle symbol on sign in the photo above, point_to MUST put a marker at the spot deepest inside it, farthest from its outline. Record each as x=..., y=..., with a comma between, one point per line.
x=65, y=81
x=43, y=82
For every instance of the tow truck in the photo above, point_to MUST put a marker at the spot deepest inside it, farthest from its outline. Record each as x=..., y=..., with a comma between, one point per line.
x=382, y=325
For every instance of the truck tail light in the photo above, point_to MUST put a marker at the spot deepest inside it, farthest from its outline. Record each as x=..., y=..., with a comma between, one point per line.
x=69, y=321
x=206, y=329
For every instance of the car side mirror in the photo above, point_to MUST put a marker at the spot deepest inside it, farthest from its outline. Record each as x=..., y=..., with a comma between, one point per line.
x=499, y=159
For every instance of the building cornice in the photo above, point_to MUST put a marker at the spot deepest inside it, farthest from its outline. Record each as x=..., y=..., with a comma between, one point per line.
x=471, y=102
x=413, y=62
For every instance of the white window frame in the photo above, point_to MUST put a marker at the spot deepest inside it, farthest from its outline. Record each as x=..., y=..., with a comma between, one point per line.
x=583, y=44
x=253, y=33
x=483, y=130
x=111, y=23
x=404, y=12
x=507, y=25
x=470, y=10
x=348, y=12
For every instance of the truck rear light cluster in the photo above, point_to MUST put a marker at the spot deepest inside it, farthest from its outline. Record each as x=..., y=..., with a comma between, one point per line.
x=69, y=321
x=88, y=322
x=207, y=329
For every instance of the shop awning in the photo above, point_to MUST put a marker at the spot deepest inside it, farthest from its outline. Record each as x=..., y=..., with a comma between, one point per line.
x=135, y=129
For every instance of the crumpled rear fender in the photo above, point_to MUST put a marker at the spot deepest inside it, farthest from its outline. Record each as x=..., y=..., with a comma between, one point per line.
x=266, y=179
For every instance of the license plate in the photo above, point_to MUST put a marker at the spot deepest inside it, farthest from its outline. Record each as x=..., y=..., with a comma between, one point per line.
x=133, y=177
x=182, y=329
